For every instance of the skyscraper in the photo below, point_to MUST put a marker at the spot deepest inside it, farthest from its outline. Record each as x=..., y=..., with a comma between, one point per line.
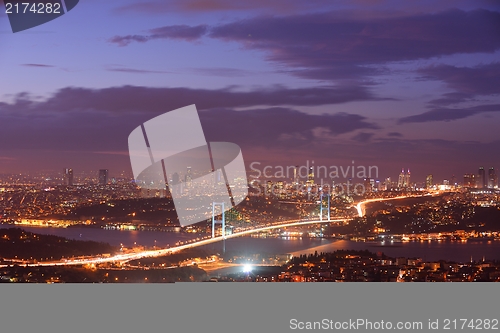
x=296, y=175
x=68, y=177
x=481, y=178
x=310, y=176
x=469, y=180
x=388, y=184
x=103, y=176
x=404, y=179
x=429, y=181
x=407, y=179
x=368, y=184
x=401, y=179
x=492, y=178
x=188, y=177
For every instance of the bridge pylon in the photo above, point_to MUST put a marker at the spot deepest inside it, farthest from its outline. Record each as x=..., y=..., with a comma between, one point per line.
x=222, y=220
x=322, y=207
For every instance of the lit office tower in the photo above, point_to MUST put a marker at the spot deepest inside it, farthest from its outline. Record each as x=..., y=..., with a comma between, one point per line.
x=388, y=184
x=310, y=176
x=401, y=179
x=428, y=181
x=492, y=178
x=481, y=178
x=469, y=180
x=367, y=183
x=188, y=177
x=407, y=179
x=296, y=175
x=103, y=176
x=68, y=177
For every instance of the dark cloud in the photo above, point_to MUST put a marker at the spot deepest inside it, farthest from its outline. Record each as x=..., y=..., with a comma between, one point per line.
x=29, y=125
x=333, y=39
x=180, y=32
x=38, y=65
x=467, y=81
x=184, y=32
x=158, y=100
x=363, y=137
x=75, y=124
x=125, y=40
x=329, y=46
x=278, y=127
x=446, y=114
x=451, y=98
x=101, y=119
x=332, y=46
x=395, y=134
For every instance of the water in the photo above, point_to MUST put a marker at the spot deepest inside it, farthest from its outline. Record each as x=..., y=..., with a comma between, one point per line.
x=429, y=251
x=113, y=237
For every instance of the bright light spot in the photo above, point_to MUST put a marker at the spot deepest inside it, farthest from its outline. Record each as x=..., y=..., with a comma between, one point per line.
x=247, y=268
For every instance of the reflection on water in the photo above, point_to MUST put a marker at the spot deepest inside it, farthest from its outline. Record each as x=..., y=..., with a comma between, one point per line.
x=430, y=251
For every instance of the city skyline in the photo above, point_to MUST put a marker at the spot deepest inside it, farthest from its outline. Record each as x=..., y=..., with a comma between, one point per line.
x=467, y=179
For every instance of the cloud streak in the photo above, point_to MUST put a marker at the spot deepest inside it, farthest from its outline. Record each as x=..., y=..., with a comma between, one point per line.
x=447, y=114
x=176, y=32
x=149, y=100
x=134, y=70
x=38, y=65
x=467, y=81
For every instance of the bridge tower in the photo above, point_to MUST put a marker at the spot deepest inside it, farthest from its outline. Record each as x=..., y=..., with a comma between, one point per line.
x=322, y=206
x=223, y=219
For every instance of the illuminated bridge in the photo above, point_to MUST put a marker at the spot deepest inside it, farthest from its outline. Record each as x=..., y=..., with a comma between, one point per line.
x=162, y=252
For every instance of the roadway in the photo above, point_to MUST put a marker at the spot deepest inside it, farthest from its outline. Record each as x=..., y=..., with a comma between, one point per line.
x=360, y=206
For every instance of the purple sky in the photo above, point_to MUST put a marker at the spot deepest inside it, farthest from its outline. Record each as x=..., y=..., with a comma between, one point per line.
x=386, y=83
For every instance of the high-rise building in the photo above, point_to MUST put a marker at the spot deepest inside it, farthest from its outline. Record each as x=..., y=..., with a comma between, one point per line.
x=103, y=176
x=310, y=176
x=388, y=184
x=188, y=177
x=404, y=181
x=407, y=179
x=68, y=177
x=481, y=178
x=401, y=179
x=492, y=178
x=429, y=181
x=368, y=185
x=296, y=175
x=469, y=180
x=269, y=187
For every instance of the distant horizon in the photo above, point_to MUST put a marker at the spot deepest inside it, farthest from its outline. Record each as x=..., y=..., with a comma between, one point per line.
x=416, y=178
